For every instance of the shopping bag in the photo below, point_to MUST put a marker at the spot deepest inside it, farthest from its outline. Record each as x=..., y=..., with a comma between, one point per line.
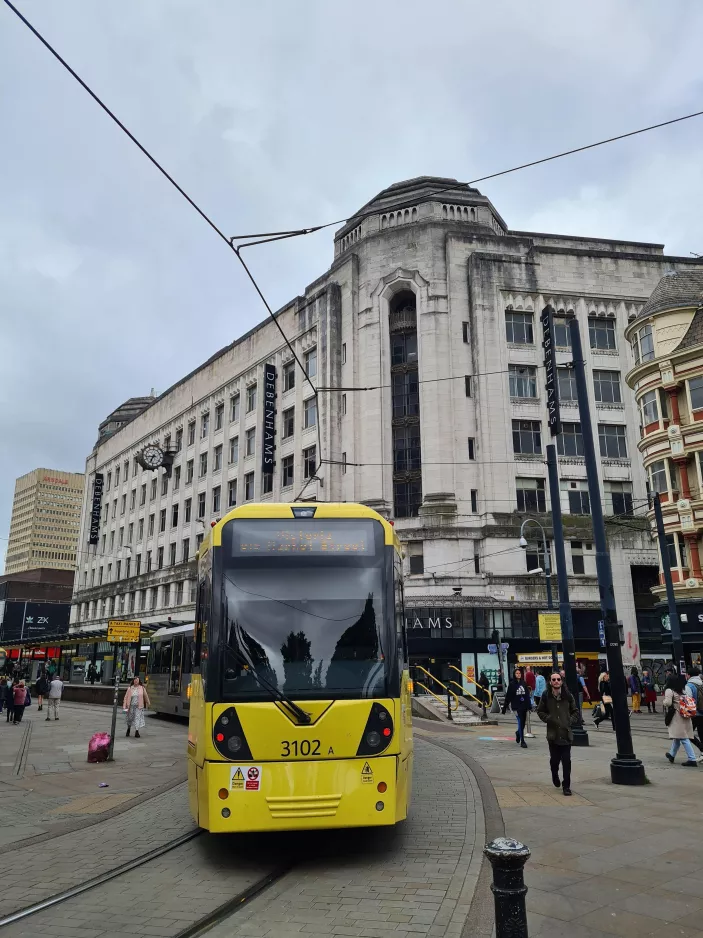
x=99, y=747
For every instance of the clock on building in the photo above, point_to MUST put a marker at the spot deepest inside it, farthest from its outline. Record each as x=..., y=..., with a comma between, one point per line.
x=152, y=457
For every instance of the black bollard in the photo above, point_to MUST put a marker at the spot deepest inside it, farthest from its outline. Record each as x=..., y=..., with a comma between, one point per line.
x=508, y=858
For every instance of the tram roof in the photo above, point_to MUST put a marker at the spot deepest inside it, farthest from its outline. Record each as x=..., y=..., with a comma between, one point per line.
x=173, y=630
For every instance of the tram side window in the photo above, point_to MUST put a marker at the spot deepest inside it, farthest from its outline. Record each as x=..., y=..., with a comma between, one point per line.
x=162, y=657
x=202, y=620
x=174, y=686
x=187, y=655
x=400, y=614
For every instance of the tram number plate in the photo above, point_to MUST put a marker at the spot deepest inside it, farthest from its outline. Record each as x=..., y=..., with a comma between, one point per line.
x=306, y=747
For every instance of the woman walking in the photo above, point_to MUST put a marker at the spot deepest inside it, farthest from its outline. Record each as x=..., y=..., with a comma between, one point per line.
x=9, y=701
x=650, y=693
x=518, y=698
x=42, y=688
x=680, y=726
x=636, y=690
x=135, y=700
x=606, y=701
x=19, y=692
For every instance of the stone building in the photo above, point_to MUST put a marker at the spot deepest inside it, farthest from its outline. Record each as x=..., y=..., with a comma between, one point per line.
x=422, y=338
x=667, y=378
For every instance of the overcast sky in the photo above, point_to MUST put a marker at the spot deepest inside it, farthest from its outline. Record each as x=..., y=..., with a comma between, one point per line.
x=276, y=115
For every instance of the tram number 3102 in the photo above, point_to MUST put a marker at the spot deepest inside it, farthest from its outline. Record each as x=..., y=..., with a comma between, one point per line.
x=306, y=747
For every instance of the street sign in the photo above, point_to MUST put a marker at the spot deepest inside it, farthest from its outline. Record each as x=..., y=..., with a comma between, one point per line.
x=601, y=632
x=504, y=646
x=492, y=649
x=549, y=626
x=122, y=631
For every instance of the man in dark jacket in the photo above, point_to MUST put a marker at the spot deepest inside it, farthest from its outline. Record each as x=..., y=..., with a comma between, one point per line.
x=557, y=708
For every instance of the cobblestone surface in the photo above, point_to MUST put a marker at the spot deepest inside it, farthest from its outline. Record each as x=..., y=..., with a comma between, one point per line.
x=417, y=879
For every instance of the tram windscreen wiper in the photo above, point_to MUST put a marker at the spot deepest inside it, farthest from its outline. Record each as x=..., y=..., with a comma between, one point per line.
x=301, y=715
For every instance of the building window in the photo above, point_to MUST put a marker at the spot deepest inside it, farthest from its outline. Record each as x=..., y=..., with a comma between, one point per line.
x=251, y=398
x=309, y=462
x=191, y=433
x=311, y=363
x=114, y=508
x=406, y=394
x=150, y=532
x=643, y=345
x=658, y=480
x=160, y=559
x=287, y=471
x=219, y=416
x=232, y=493
x=123, y=504
x=234, y=450
x=179, y=593
x=138, y=566
x=695, y=390
x=403, y=348
x=176, y=478
x=522, y=380
x=164, y=485
x=465, y=332
x=570, y=440
x=416, y=557
x=172, y=555
x=406, y=447
x=162, y=521
x=108, y=482
x=204, y=426
x=201, y=505
x=179, y=439
x=148, y=561
x=344, y=353
x=167, y=445
x=530, y=495
x=185, y=552
x=117, y=476
x=527, y=437
x=217, y=458
x=613, y=441
x=203, y=465
x=133, y=500
x=344, y=405
x=249, y=486
x=472, y=448
x=562, y=333
x=187, y=504
x=288, y=422
x=606, y=386
x=467, y=385
x=120, y=539
x=130, y=532
x=142, y=495
x=407, y=497
x=474, y=500
x=344, y=463
x=250, y=442
x=216, y=492
x=174, y=516
x=577, y=563
x=577, y=496
x=618, y=497
x=152, y=493
x=288, y=376
x=535, y=557
x=140, y=530
x=198, y=540
x=234, y=408
x=649, y=408
x=309, y=413
x=567, y=384
x=601, y=333
x=112, y=540
x=189, y=472
x=518, y=328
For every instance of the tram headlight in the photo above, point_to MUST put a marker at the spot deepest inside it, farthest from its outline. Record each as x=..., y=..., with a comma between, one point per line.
x=373, y=739
x=234, y=743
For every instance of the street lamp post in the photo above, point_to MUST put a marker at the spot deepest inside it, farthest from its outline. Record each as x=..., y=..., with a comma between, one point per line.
x=547, y=575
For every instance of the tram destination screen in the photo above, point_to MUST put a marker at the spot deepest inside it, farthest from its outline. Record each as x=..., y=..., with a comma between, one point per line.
x=273, y=538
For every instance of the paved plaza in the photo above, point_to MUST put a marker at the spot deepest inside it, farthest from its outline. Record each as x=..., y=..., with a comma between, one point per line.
x=608, y=861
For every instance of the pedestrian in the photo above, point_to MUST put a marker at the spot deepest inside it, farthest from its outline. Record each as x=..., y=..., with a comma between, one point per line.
x=10, y=701
x=518, y=698
x=635, y=690
x=694, y=687
x=583, y=689
x=92, y=673
x=605, y=710
x=3, y=685
x=482, y=689
x=19, y=692
x=530, y=680
x=42, y=688
x=676, y=703
x=557, y=708
x=540, y=687
x=134, y=703
x=55, y=691
x=649, y=690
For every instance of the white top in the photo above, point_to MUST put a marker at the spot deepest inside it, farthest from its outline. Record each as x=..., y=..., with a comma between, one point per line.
x=56, y=689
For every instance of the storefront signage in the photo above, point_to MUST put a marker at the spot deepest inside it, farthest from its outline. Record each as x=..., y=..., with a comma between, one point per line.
x=123, y=631
x=428, y=622
x=549, y=626
x=269, y=431
x=550, y=366
x=97, y=508
x=539, y=659
x=31, y=620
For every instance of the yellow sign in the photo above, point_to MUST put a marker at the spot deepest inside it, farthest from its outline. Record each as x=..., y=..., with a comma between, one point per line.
x=470, y=674
x=549, y=627
x=123, y=631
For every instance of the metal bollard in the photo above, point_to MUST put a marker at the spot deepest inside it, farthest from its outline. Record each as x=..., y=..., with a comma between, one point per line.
x=508, y=858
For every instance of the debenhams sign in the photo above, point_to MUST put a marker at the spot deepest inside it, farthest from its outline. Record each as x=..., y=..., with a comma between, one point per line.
x=428, y=622
x=269, y=431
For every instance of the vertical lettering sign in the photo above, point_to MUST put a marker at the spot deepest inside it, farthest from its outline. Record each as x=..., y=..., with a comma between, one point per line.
x=550, y=365
x=97, y=508
x=269, y=433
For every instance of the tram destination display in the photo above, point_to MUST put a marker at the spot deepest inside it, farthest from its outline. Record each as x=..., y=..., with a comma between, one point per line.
x=272, y=538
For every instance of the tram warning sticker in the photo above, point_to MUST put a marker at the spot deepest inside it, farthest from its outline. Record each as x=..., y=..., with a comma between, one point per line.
x=245, y=778
x=367, y=773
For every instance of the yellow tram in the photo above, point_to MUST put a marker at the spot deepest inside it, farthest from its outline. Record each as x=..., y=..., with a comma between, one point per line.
x=300, y=696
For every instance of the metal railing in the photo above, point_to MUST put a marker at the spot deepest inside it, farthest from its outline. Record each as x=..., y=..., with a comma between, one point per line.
x=447, y=690
x=467, y=693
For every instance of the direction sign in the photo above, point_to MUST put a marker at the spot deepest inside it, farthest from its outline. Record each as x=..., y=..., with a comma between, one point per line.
x=123, y=631
x=549, y=626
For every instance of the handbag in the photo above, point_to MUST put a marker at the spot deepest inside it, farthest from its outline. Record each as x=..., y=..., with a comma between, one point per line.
x=669, y=715
x=607, y=699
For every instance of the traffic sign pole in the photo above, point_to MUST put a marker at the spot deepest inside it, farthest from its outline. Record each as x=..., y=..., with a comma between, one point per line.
x=116, y=677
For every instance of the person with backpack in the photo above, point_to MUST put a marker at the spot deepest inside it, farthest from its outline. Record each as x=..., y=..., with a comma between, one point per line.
x=679, y=707
x=518, y=698
x=635, y=690
x=694, y=687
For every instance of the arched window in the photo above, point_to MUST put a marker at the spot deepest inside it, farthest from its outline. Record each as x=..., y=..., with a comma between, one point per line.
x=405, y=397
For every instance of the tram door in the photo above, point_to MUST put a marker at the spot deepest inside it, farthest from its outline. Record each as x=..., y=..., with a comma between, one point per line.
x=174, y=684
